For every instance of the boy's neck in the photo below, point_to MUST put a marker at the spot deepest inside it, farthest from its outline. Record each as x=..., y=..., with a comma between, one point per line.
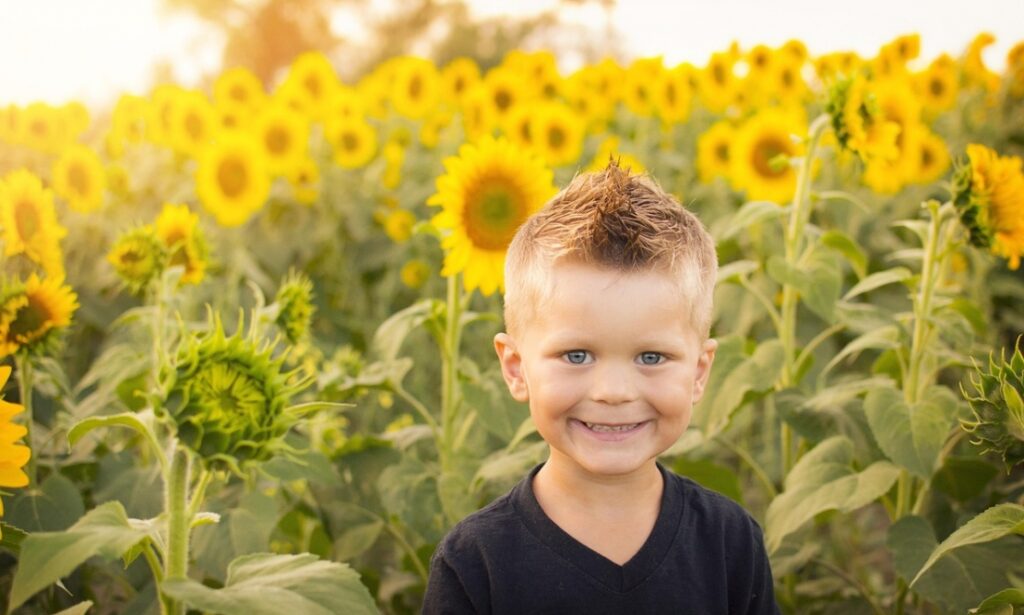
x=612, y=515
x=569, y=484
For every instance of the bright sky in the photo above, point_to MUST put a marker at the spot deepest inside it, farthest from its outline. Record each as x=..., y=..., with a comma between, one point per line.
x=92, y=50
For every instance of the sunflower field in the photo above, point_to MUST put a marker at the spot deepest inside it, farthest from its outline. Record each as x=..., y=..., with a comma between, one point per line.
x=245, y=330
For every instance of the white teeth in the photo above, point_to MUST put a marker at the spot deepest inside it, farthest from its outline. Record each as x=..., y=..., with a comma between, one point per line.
x=600, y=427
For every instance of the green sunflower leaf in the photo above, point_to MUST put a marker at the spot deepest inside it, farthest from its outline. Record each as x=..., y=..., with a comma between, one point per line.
x=269, y=584
x=996, y=522
x=46, y=557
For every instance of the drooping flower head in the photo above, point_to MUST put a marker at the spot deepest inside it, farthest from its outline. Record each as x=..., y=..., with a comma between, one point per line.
x=32, y=312
x=486, y=193
x=139, y=258
x=997, y=407
x=989, y=194
x=858, y=122
x=228, y=397
x=295, y=306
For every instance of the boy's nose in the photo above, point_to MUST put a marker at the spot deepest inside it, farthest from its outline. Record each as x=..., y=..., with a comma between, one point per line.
x=613, y=385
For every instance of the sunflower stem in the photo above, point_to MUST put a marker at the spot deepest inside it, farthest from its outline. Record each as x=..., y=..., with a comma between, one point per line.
x=23, y=364
x=798, y=217
x=450, y=373
x=175, y=505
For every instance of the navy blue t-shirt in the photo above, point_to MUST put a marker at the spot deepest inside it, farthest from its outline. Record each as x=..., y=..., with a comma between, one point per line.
x=704, y=556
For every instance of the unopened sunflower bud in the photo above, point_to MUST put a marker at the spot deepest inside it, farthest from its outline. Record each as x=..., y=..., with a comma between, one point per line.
x=998, y=408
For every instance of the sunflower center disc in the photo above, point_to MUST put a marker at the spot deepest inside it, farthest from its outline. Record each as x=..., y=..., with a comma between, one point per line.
x=232, y=177
x=27, y=219
x=78, y=179
x=493, y=217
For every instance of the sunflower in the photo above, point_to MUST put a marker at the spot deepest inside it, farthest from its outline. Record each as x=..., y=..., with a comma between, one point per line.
x=30, y=312
x=294, y=300
x=414, y=273
x=228, y=397
x=858, y=122
x=433, y=125
x=128, y=124
x=786, y=82
x=933, y=157
x=641, y=79
x=163, y=99
x=518, y=126
x=760, y=153
x=717, y=82
x=557, y=134
x=139, y=257
x=478, y=115
x=1015, y=69
x=304, y=179
x=398, y=225
x=284, y=135
x=505, y=91
x=416, y=88
x=239, y=86
x=354, y=141
x=457, y=78
x=79, y=178
x=9, y=117
x=29, y=222
x=314, y=78
x=672, y=94
x=974, y=68
x=938, y=85
x=41, y=128
x=193, y=123
x=13, y=454
x=177, y=227
x=713, y=151
x=989, y=194
x=486, y=193
x=231, y=178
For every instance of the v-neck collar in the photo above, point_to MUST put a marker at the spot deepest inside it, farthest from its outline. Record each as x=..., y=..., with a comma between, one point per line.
x=618, y=578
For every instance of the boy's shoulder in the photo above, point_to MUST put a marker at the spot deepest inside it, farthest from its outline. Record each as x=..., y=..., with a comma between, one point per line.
x=706, y=510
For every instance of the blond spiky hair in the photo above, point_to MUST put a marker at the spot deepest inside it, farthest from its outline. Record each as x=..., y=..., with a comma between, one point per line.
x=615, y=220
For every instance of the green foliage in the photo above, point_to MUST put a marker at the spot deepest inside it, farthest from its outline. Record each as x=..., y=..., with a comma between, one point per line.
x=266, y=584
x=47, y=556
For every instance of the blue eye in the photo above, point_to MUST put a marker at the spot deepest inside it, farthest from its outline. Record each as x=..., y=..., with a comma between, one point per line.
x=576, y=357
x=651, y=358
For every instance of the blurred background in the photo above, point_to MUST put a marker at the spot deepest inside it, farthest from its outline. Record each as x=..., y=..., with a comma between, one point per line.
x=92, y=50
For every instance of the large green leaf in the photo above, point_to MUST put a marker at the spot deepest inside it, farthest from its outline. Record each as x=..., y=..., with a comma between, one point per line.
x=734, y=376
x=845, y=245
x=496, y=410
x=140, y=422
x=877, y=280
x=47, y=556
x=911, y=436
x=818, y=281
x=1001, y=603
x=824, y=480
x=393, y=331
x=751, y=213
x=958, y=581
x=52, y=506
x=269, y=584
x=994, y=523
x=963, y=478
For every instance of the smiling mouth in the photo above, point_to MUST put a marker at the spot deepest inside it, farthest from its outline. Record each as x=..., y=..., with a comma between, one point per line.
x=606, y=428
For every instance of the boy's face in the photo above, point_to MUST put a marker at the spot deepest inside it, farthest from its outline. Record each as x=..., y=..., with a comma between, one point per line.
x=610, y=366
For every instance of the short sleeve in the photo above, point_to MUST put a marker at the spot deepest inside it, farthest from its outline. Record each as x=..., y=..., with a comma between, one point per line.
x=445, y=594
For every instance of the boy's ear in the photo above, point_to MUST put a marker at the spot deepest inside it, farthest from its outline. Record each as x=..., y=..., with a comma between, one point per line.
x=704, y=361
x=511, y=366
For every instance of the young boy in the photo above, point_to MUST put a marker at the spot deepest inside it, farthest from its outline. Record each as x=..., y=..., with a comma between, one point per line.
x=608, y=310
